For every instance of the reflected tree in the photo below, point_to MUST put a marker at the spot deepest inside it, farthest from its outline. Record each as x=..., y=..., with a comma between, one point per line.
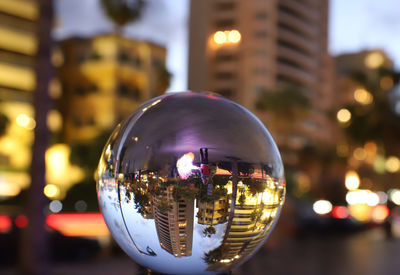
x=122, y=12
x=209, y=231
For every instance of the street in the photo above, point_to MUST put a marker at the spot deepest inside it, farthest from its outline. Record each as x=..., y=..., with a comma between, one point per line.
x=366, y=253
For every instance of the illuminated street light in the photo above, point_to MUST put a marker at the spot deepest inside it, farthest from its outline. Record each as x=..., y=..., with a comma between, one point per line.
x=343, y=115
x=352, y=181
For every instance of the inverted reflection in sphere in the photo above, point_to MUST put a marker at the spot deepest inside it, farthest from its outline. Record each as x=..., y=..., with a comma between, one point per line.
x=190, y=183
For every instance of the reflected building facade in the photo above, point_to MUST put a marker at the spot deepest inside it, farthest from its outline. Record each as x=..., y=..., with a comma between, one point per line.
x=174, y=222
x=214, y=212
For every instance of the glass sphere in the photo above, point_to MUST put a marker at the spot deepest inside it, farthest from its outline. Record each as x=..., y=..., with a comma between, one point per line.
x=190, y=183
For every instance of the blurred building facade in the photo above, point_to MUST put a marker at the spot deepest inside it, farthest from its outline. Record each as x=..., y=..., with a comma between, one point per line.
x=241, y=49
x=18, y=47
x=105, y=78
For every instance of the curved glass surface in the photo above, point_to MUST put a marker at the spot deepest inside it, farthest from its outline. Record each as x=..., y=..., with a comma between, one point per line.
x=190, y=183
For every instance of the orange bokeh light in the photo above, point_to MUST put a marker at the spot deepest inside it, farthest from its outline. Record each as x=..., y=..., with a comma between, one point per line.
x=82, y=224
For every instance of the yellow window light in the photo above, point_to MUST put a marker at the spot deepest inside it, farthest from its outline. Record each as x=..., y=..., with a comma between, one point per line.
x=343, y=115
x=220, y=37
x=234, y=36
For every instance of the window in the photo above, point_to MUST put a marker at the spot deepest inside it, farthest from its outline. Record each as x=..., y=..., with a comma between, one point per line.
x=222, y=6
x=261, y=15
x=224, y=57
x=228, y=23
x=292, y=47
x=261, y=34
x=226, y=92
x=260, y=71
x=224, y=75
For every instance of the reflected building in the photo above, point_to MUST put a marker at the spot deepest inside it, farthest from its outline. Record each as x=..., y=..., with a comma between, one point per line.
x=174, y=222
x=104, y=79
x=214, y=212
x=281, y=43
x=250, y=221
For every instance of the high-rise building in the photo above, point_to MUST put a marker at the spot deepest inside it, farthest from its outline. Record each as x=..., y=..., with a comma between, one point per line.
x=18, y=46
x=104, y=79
x=174, y=223
x=248, y=224
x=241, y=49
x=214, y=212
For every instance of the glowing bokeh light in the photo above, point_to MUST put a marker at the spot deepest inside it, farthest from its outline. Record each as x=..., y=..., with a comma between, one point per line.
x=380, y=213
x=360, y=212
x=363, y=97
x=359, y=154
x=372, y=199
x=220, y=37
x=394, y=196
x=383, y=197
x=185, y=166
x=21, y=221
x=227, y=37
x=234, y=36
x=392, y=164
x=55, y=206
x=82, y=224
x=322, y=207
x=9, y=189
x=5, y=224
x=51, y=190
x=374, y=60
x=343, y=115
x=379, y=164
x=386, y=82
x=25, y=121
x=340, y=212
x=352, y=180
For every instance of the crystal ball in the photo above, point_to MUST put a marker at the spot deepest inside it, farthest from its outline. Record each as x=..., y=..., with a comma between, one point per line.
x=190, y=183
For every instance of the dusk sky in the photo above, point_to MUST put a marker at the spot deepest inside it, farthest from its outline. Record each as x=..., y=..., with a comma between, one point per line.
x=354, y=25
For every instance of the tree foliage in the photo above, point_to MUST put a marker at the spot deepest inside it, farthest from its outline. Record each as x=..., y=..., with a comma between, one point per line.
x=121, y=12
x=285, y=100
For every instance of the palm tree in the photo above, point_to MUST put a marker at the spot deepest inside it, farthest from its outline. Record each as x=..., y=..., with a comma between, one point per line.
x=34, y=243
x=122, y=12
x=288, y=105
